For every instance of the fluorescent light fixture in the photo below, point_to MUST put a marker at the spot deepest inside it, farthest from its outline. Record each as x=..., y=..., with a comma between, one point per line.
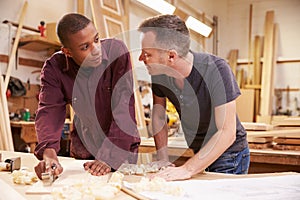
x=198, y=26
x=160, y=6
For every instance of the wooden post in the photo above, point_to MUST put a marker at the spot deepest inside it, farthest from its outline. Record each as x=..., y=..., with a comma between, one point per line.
x=257, y=74
x=80, y=7
x=233, y=56
x=269, y=61
x=6, y=135
x=250, y=70
x=15, y=45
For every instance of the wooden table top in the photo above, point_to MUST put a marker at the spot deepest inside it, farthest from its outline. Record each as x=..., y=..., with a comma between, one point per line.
x=28, y=160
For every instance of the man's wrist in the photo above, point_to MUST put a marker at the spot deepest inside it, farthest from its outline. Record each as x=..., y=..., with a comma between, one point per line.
x=190, y=169
x=50, y=153
x=162, y=154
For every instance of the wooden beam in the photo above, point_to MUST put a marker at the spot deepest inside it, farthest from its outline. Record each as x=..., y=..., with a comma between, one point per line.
x=257, y=73
x=292, y=60
x=287, y=89
x=250, y=70
x=80, y=7
x=267, y=70
x=181, y=13
x=256, y=60
x=15, y=46
x=5, y=131
x=232, y=60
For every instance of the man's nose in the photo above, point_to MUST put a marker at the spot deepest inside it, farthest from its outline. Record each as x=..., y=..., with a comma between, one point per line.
x=96, y=48
x=141, y=57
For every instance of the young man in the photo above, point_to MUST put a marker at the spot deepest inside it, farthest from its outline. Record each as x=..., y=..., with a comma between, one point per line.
x=95, y=77
x=203, y=90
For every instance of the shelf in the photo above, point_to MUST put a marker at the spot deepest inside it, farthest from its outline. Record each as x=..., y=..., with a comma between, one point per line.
x=38, y=43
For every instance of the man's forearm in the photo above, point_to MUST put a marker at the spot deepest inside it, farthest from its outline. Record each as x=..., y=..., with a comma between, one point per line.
x=161, y=143
x=209, y=153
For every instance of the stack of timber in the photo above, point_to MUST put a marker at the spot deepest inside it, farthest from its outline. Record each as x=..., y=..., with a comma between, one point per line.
x=260, y=142
x=286, y=121
x=254, y=126
x=287, y=143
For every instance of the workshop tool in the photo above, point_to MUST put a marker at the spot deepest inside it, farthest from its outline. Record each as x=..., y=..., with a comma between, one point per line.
x=10, y=164
x=49, y=177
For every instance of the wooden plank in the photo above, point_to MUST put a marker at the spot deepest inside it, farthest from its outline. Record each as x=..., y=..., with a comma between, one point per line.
x=257, y=126
x=284, y=140
x=23, y=61
x=179, y=12
x=245, y=105
x=275, y=156
x=287, y=60
x=267, y=70
x=257, y=72
x=279, y=132
x=15, y=46
x=260, y=146
x=7, y=141
x=286, y=121
x=286, y=147
x=260, y=139
x=250, y=69
x=232, y=60
x=80, y=7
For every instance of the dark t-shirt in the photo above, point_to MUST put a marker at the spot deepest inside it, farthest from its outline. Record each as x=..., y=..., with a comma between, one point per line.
x=210, y=84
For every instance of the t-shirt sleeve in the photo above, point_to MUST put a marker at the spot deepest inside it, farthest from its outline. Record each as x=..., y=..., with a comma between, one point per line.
x=156, y=86
x=222, y=83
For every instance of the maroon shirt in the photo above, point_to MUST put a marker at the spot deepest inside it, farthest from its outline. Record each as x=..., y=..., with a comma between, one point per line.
x=103, y=101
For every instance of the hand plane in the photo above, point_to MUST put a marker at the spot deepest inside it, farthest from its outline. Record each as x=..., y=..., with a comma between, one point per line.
x=49, y=177
x=10, y=164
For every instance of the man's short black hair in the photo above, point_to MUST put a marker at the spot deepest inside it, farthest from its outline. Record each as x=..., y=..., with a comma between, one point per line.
x=70, y=24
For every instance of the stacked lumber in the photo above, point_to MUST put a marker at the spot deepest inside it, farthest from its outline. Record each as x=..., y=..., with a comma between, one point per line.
x=252, y=126
x=286, y=121
x=287, y=143
x=260, y=142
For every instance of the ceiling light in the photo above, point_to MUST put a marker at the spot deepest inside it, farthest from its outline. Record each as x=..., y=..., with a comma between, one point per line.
x=198, y=26
x=160, y=6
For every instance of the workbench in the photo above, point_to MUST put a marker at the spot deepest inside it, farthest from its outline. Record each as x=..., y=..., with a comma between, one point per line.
x=23, y=133
x=261, y=160
x=28, y=160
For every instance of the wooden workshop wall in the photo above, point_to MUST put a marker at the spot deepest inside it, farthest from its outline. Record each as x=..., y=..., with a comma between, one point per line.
x=233, y=28
x=287, y=17
x=48, y=11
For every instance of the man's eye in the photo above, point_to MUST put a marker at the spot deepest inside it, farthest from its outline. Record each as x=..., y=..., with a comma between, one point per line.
x=96, y=40
x=85, y=47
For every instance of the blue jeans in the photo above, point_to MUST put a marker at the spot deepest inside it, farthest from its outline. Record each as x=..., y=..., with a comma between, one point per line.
x=232, y=163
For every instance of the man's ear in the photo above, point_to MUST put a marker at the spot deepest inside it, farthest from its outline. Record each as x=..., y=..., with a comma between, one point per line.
x=172, y=55
x=66, y=51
